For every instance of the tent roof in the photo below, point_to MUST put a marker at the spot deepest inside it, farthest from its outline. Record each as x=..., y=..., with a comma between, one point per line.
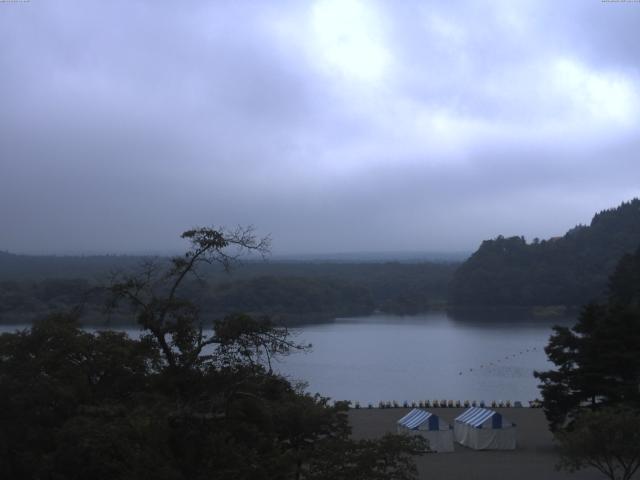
x=476, y=416
x=415, y=418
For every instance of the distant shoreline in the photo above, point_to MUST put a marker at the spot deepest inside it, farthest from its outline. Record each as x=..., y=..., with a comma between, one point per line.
x=501, y=313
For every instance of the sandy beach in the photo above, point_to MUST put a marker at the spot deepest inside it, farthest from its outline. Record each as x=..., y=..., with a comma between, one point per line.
x=533, y=459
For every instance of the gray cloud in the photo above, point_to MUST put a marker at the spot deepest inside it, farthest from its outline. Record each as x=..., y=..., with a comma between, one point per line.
x=334, y=125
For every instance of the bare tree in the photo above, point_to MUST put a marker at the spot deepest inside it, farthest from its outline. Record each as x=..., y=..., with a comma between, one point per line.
x=154, y=291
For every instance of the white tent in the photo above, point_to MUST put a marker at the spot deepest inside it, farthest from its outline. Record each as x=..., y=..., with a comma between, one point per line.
x=484, y=429
x=426, y=424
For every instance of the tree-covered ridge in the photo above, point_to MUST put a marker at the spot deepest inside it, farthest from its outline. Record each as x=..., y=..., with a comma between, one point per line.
x=15, y=267
x=569, y=270
x=290, y=292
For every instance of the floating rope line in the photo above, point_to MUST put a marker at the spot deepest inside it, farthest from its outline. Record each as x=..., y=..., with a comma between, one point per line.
x=497, y=361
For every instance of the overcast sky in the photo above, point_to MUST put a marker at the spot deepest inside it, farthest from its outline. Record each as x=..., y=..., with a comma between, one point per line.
x=333, y=125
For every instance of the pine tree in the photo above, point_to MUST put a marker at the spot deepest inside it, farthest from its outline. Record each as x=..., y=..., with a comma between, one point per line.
x=598, y=359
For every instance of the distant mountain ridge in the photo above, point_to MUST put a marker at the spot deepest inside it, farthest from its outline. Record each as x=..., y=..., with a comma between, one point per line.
x=568, y=270
x=34, y=267
x=290, y=291
x=375, y=257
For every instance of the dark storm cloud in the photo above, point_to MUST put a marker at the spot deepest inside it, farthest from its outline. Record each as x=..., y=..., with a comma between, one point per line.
x=334, y=125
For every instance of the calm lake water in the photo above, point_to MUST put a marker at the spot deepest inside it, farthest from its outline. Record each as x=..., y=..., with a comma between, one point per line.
x=429, y=356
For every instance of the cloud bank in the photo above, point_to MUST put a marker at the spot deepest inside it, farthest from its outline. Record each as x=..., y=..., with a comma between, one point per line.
x=334, y=125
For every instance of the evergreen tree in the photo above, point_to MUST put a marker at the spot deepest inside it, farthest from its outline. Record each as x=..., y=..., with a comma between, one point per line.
x=569, y=270
x=597, y=360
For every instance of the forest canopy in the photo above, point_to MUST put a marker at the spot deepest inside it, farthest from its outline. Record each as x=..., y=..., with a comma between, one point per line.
x=569, y=270
x=184, y=401
x=290, y=292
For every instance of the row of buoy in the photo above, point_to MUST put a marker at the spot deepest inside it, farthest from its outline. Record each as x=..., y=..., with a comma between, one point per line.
x=449, y=404
x=508, y=357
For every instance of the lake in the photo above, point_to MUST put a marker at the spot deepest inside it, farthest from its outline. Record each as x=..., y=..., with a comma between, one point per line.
x=438, y=355
x=429, y=356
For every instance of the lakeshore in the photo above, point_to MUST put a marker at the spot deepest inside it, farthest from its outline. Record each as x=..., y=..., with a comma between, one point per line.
x=534, y=458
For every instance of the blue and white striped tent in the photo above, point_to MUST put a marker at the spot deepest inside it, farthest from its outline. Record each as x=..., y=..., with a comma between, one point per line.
x=484, y=429
x=421, y=422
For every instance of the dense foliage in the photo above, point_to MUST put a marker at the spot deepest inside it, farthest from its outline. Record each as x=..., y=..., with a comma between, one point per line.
x=179, y=402
x=597, y=360
x=607, y=440
x=291, y=292
x=77, y=405
x=569, y=270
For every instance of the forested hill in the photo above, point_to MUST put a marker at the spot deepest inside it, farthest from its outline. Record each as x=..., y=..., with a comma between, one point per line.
x=569, y=270
x=36, y=267
x=293, y=292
